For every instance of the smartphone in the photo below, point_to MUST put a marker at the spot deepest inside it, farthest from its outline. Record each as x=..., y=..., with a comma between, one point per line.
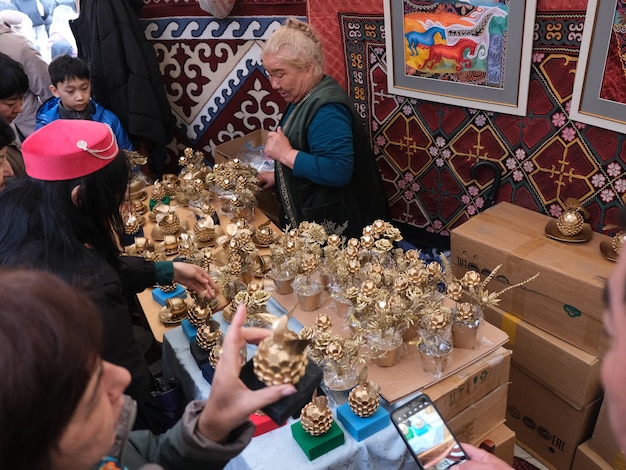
x=425, y=433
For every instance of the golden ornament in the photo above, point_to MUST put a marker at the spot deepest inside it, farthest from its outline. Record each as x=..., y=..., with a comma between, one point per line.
x=618, y=241
x=198, y=315
x=281, y=358
x=363, y=398
x=323, y=322
x=209, y=335
x=316, y=417
x=170, y=224
x=570, y=222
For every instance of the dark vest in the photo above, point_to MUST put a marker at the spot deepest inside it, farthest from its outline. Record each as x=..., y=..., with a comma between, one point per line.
x=343, y=210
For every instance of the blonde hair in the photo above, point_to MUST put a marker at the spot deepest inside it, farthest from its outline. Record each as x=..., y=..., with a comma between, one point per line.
x=296, y=44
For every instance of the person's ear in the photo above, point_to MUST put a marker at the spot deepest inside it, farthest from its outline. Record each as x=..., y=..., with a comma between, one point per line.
x=54, y=91
x=75, y=196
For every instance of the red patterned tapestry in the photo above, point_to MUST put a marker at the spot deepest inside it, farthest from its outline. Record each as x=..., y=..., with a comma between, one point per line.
x=425, y=150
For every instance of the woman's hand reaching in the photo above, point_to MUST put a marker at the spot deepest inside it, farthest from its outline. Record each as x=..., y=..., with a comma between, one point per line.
x=195, y=278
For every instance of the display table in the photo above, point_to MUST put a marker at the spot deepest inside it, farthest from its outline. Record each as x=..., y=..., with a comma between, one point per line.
x=149, y=306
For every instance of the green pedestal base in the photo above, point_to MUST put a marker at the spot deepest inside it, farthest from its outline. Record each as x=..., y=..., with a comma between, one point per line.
x=315, y=446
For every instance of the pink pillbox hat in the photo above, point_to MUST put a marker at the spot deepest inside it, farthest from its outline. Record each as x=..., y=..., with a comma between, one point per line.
x=68, y=148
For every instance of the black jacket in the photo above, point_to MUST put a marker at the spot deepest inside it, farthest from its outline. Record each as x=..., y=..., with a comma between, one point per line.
x=125, y=73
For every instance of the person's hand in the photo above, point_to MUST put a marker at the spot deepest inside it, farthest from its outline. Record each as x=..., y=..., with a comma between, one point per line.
x=266, y=179
x=195, y=278
x=231, y=402
x=278, y=147
x=481, y=460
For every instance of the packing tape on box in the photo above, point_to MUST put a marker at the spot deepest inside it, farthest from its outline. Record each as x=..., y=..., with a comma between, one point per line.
x=509, y=326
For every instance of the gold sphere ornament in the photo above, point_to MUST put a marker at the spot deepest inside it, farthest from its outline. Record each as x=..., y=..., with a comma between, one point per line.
x=316, y=417
x=363, y=398
x=209, y=335
x=281, y=358
x=570, y=222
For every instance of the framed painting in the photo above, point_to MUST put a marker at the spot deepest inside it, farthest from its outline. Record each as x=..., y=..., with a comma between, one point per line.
x=471, y=53
x=599, y=96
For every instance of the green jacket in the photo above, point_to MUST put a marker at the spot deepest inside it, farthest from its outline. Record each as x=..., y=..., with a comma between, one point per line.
x=343, y=210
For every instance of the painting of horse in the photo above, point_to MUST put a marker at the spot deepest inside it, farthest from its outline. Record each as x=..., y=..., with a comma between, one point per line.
x=423, y=38
x=456, y=52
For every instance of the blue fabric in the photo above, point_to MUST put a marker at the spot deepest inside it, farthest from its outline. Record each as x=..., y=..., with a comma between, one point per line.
x=331, y=156
x=49, y=111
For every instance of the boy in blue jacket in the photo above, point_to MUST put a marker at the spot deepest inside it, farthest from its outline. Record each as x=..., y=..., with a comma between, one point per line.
x=71, y=87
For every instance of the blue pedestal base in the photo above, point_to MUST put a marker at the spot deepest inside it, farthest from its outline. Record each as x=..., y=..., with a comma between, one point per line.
x=316, y=446
x=189, y=330
x=160, y=297
x=361, y=428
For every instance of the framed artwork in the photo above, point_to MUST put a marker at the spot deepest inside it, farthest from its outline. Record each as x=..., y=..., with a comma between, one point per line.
x=471, y=53
x=599, y=96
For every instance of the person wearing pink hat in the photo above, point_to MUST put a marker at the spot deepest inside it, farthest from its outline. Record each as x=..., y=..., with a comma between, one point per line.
x=64, y=217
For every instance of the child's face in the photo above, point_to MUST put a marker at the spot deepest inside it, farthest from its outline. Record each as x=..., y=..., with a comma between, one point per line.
x=74, y=93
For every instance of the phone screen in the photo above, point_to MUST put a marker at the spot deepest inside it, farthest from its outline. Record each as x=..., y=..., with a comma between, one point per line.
x=426, y=434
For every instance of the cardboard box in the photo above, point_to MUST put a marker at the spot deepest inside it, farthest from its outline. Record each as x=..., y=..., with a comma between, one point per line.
x=587, y=459
x=544, y=422
x=603, y=442
x=566, y=300
x=570, y=372
x=236, y=148
x=461, y=390
x=476, y=421
x=500, y=441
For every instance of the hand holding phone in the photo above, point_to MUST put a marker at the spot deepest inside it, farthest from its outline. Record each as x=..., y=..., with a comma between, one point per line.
x=427, y=436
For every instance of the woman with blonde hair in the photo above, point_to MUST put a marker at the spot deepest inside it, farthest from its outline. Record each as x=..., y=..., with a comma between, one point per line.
x=325, y=169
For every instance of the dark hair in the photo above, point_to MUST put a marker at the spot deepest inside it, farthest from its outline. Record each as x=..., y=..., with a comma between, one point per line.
x=7, y=136
x=50, y=342
x=13, y=79
x=41, y=227
x=65, y=67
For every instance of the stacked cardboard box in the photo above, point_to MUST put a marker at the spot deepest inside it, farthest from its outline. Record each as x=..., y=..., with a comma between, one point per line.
x=473, y=403
x=554, y=323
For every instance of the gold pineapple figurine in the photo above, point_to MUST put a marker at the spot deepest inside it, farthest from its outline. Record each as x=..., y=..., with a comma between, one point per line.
x=281, y=358
x=363, y=399
x=198, y=315
x=316, y=417
x=209, y=335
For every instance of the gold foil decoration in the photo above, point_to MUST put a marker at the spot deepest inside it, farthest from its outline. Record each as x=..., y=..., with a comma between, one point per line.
x=316, y=417
x=281, y=358
x=466, y=312
x=363, y=399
